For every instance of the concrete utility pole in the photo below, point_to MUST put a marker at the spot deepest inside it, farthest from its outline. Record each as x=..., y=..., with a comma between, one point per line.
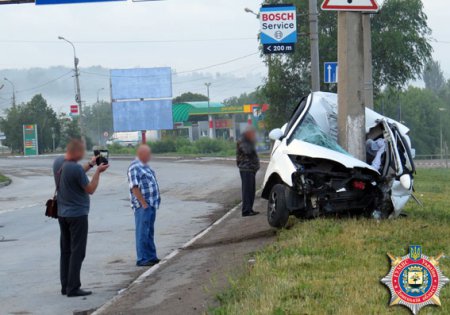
x=77, y=83
x=210, y=118
x=368, y=73
x=351, y=119
x=14, y=91
x=314, y=42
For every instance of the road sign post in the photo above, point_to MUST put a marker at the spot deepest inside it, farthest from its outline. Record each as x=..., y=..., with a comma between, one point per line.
x=278, y=28
x=30, y=140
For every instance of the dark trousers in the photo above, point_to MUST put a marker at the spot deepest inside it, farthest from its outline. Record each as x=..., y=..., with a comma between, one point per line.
x=248, y=190
x=74, y=233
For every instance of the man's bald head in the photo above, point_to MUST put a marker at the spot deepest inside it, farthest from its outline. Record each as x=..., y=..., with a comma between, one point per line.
x=144, y=153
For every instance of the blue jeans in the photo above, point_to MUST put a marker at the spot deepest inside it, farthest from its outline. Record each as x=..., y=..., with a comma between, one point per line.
x=145, y=231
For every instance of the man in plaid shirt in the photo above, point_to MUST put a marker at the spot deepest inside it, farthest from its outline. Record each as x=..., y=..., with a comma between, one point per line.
x=145, y=200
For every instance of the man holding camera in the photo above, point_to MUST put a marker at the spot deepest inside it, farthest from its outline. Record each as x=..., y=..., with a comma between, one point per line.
x=145, y=200
x=73, y=190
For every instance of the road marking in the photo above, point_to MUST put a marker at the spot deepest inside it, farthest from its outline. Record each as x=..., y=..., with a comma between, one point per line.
x=164, y=261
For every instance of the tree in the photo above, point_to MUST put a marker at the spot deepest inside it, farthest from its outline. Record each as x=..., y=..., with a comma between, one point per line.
x=420, y=110
x=433, y=76
x=36, y=112
x=190, y=97
x=69, y=129
x=98, y=119
x=400, y=37
x=244, y=98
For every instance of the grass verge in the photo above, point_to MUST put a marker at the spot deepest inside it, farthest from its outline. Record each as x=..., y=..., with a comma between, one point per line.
x=3, y=179
x=330, y=266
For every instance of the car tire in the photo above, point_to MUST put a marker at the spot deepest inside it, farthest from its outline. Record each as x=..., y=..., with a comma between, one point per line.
x=277, y=211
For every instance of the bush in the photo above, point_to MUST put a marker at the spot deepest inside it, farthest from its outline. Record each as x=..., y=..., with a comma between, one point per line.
x=163, y=146
x=116, y=148
x=182, y=146
x=206, y=146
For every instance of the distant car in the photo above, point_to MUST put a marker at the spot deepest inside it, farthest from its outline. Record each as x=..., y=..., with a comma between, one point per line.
x=310, y=175
x=123, y=143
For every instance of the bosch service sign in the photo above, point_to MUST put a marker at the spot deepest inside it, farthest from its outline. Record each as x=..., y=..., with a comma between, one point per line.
x=278, y=28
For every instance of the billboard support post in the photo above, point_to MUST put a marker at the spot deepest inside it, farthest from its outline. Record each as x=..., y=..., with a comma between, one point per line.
x=144, y=136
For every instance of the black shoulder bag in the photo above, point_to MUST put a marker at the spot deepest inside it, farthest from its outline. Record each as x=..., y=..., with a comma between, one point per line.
x=51, y=209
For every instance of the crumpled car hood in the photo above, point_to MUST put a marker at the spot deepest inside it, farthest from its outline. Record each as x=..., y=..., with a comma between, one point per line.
x=301, y=148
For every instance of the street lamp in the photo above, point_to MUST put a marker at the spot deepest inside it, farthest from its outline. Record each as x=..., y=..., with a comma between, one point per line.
x=251, y=12
x=14, y=91
x=97, y=113
x=441, y=109
x=77, y=82
x=98, y=94
x=210, y=120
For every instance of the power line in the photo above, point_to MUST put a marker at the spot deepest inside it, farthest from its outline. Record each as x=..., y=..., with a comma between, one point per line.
x=44, y=84
x=25, y=41
x=174, y=74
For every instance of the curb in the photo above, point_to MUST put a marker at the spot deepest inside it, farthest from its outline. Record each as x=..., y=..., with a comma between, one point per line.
x=164, y=261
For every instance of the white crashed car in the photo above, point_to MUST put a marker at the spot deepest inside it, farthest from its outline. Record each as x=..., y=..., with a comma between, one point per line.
x=310, y=175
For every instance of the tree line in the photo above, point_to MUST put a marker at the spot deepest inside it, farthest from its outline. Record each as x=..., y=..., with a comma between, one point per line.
x=54, y=131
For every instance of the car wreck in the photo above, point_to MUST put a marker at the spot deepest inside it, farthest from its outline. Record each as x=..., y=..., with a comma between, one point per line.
x=310, y=175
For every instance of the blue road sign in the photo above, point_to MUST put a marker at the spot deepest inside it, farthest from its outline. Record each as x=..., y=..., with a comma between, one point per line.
x=278, y=28
x=331, y=70
x=42, y=2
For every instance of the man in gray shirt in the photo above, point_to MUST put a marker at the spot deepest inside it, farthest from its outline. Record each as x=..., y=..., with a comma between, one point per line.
x=73, y=190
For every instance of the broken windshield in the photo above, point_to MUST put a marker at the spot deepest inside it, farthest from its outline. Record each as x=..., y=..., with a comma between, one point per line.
x=309, y=131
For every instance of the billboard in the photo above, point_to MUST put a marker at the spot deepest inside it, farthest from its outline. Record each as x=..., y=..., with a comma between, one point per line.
x=142, y=115
x=42, y=2
x=142, y=83
x=30, y=140
x=142, y=99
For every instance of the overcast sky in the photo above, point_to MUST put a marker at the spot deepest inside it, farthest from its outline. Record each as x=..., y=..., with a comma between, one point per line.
x=200, y=33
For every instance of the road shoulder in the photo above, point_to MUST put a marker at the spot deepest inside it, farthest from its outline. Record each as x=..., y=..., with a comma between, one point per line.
x=190, y=281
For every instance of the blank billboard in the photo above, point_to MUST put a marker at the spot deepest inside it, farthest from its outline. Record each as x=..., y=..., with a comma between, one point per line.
x=142, y=115
x=145, y=83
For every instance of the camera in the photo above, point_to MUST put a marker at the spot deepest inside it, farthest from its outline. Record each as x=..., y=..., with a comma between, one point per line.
x=102, y=156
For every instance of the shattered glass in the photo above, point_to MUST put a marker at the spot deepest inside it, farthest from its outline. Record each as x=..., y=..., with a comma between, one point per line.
x=309, y=131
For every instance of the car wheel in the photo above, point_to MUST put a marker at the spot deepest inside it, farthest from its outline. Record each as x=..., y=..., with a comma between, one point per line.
x=277, y=212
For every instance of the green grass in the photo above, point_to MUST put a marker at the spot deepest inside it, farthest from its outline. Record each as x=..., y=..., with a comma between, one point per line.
x=3, y=178
x=334, y=266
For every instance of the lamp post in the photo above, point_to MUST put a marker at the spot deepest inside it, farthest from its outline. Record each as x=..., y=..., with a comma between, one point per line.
x=441, y=134
x=14, y=91
x=98, y=116
x=210, y=119
x=98, y=94
x=77, y=83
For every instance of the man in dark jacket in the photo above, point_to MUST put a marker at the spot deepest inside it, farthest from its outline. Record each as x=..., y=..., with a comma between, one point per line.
x=248, y=163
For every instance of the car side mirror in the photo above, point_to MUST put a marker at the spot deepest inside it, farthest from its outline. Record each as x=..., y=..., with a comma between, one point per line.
x=276, y=134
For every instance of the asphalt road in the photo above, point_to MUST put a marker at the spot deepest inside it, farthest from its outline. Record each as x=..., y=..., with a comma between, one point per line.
x=29, y=253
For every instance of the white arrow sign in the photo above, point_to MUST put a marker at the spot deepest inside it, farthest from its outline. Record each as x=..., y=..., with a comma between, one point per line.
x=351, y=5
